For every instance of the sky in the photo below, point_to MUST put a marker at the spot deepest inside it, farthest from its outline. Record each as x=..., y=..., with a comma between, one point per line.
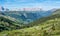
x=44, y=4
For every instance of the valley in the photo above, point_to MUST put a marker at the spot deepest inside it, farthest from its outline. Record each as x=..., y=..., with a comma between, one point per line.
x=42, y=25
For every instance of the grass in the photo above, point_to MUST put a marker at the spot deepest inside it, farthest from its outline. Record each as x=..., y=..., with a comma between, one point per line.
x=44, y=29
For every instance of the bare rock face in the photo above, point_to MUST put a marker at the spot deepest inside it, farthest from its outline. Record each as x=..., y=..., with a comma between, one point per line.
x=2, y=8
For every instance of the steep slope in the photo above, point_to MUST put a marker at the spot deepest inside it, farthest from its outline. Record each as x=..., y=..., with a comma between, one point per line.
x=8, y=23
x=47, y=26
x=56, y=12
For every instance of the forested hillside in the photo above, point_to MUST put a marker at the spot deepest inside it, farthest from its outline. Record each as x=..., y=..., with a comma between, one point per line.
x=46, y=26
x=9, y=23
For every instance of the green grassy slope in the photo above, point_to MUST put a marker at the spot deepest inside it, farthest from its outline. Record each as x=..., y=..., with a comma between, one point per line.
x=47, y=26
x=8, y=23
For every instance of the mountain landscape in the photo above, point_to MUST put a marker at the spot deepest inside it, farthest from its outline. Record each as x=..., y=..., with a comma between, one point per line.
x=29, y=17
x=26, y=16
x=30, y=23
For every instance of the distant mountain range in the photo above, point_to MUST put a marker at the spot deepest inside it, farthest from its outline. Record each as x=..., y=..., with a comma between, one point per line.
x=27, y=16
x=19, y=9
x=3, y=9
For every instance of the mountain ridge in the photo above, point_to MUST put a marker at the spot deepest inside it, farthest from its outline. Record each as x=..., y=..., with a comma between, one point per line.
x=47, y=26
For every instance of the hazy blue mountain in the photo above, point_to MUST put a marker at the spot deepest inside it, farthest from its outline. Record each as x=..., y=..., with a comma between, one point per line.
x=27, y=16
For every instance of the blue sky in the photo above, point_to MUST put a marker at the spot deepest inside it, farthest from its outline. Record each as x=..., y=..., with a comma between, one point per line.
x=44, y=4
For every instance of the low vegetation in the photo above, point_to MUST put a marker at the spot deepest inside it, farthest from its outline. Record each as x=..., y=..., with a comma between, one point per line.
x=47, y=26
